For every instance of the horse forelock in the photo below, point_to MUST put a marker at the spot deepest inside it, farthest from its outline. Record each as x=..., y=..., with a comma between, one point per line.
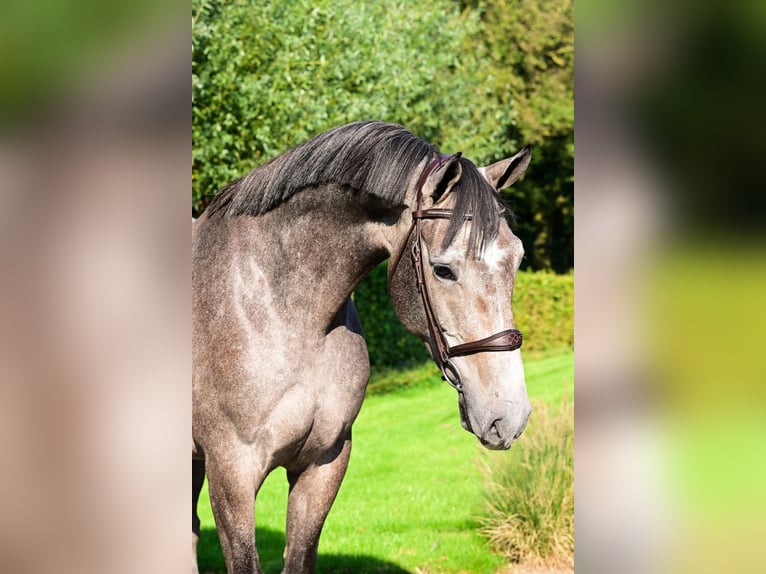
x=476, y=198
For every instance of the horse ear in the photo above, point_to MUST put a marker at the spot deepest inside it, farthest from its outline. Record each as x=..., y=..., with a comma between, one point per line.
x=442, y=178
x=505, y=172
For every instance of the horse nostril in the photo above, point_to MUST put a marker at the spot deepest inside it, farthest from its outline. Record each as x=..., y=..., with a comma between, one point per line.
x=493, y=430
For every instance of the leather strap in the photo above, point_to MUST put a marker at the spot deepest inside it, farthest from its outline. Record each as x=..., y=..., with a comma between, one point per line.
x=507, y=340
x=435, y=213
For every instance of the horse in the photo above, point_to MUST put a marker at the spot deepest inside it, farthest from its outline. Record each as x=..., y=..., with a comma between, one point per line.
x=280, y=364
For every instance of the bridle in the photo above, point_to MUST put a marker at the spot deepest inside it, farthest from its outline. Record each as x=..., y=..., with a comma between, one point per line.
x=507, y=340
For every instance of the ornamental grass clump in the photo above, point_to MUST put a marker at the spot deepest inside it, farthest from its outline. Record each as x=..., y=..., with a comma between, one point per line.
x=529, y=500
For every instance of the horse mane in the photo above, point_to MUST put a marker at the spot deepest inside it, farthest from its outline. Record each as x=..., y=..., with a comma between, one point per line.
x=374, y=157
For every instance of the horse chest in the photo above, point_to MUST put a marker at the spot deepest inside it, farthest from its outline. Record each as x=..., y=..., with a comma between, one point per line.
x=324, y=399
x=309, y=424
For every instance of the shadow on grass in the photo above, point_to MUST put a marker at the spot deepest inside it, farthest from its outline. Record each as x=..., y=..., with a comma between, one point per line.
x=271, y=544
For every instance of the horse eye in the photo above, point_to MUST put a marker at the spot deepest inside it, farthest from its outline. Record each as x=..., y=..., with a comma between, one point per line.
x=444, y=272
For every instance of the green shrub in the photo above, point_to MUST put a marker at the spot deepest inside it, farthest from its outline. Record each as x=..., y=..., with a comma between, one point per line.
x=267, y=75
x=483, y=77
x=543, y=306
x=529, y=514
x=389, y=344
x=530, y=44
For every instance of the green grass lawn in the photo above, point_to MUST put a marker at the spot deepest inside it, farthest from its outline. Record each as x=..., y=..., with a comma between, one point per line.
x=413, y=488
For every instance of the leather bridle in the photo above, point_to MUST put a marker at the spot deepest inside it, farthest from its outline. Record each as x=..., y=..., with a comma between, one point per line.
x=507, y=340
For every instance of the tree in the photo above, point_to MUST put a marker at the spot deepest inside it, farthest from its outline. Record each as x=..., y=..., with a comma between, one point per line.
x=529, y=45
x=266, y=76
x=483, y=77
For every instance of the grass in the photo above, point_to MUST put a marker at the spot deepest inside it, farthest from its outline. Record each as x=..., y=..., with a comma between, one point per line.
x=413, y=491
x=529, y=515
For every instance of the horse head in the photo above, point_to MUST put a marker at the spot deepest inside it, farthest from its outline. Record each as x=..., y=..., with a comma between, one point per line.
x=459, y=301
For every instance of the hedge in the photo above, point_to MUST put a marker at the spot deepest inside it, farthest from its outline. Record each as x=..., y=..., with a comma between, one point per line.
x=543, y=306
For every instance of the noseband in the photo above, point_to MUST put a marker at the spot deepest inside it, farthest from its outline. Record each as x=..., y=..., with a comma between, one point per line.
x=508, y=340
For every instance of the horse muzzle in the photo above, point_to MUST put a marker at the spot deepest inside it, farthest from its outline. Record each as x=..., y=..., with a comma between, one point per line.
x=496, y=432
x=498, y=436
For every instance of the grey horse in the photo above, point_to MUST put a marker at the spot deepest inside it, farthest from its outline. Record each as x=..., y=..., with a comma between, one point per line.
x=280, y=365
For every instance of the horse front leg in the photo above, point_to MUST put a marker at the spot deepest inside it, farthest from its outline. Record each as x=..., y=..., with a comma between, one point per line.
x=312, y=492
x=233, y=480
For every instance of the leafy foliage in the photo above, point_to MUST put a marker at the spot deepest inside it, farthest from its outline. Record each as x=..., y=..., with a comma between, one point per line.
x=266, y=76
x=388, y=343
x=529, y=46
x=483, y=77
x=543, y=305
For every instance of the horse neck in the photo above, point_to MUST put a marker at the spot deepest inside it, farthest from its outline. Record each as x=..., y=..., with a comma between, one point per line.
x=314, y=250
